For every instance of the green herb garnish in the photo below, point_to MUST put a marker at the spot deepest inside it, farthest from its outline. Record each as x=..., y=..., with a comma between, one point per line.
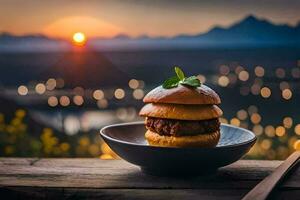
x=172, y=82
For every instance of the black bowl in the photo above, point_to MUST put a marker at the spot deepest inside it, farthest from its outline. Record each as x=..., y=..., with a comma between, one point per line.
x=128, y=141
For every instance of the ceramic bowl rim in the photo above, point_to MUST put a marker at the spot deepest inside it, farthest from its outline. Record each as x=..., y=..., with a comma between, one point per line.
x=251, y=141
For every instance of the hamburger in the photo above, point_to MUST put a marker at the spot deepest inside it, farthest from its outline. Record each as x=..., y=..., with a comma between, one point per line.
x=182, y=113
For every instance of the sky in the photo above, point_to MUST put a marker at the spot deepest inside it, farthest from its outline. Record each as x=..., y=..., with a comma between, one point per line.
x=61, y=18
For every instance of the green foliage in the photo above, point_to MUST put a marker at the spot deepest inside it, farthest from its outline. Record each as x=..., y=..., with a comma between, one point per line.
x=180, y=78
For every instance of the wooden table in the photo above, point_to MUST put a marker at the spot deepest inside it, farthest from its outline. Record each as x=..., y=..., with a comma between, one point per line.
x=117, y=179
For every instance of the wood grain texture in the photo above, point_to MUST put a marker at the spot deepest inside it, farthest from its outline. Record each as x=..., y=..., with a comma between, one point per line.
x=263, y=190
x=117, y=179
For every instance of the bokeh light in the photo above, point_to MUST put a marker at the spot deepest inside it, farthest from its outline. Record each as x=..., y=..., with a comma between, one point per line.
x=102, y=103
x=52, y=101
x=64, y=101
x=266, y=144
x=51, y=84
x=270, y=131
x=280, y=131
x=202, y=78
x=258, y=129
x=119, y=93
x=133, y=84
x=40, y=88
x=242, y=114
x=22, y=90
x=98, y=94
x=138, y=94
x=235, y=122
x=297, y=145
x=297, y=129
x=259, y=71
x=243, y=75
x=223, y=81
x=265, y=92
x=255, y=118
x=78, y=100
x=287, y=122
x=287, y=94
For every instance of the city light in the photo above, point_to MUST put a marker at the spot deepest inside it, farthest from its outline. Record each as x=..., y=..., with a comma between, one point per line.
x=51, y=84
x=259, y=71
x=202, y=78
x=22, y=90
x=287, y=94
x=40, y=88
x=258, y=129
x=119, y=93
x=102, y=103
x=265, y=92
x=280, y=131
x=243, y=75
x=52, y=101
x=138, y=94
x=255, y=118
x=133, y=84
x=297, y=129
x=242, y=114
x=64, y=101
x=270, y=131
x=98, y=94
x=235, y=122
x=223, y=81
x=287, y=122
x=78, y=100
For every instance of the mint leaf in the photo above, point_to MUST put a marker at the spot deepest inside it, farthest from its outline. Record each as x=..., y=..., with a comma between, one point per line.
x=191, y=81
x=171, y=82
x=179, y=73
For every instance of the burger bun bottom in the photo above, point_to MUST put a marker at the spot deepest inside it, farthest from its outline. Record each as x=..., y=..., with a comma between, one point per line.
x=201, y=140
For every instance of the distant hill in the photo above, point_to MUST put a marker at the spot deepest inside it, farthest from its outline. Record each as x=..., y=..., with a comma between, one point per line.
x=249, y=32
x=27, y=43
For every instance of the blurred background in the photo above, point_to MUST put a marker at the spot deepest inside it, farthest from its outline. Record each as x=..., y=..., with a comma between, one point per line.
x=69, y=68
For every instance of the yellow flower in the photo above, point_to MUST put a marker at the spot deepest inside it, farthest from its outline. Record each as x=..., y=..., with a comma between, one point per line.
x=15, y=122
x=64, y=147
x=20, y=113
x=84, y=141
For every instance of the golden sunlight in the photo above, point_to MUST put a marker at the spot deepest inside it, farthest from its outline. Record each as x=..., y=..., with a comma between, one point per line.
x=79, y=38
x=91, y=27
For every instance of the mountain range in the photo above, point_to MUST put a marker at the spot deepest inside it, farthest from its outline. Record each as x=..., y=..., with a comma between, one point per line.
x=248, y=32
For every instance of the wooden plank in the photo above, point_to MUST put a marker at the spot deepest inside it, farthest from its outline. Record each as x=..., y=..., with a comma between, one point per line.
x=17, y=161
x=118, y=174
x=146, y=194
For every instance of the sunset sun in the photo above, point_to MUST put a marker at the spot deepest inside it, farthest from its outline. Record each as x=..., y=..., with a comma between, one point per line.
x=79, y=38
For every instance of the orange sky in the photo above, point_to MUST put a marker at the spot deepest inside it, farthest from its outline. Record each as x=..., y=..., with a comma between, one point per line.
x=61, y=18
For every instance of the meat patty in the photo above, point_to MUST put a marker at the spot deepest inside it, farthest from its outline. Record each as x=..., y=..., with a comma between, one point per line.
x=173, y=127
